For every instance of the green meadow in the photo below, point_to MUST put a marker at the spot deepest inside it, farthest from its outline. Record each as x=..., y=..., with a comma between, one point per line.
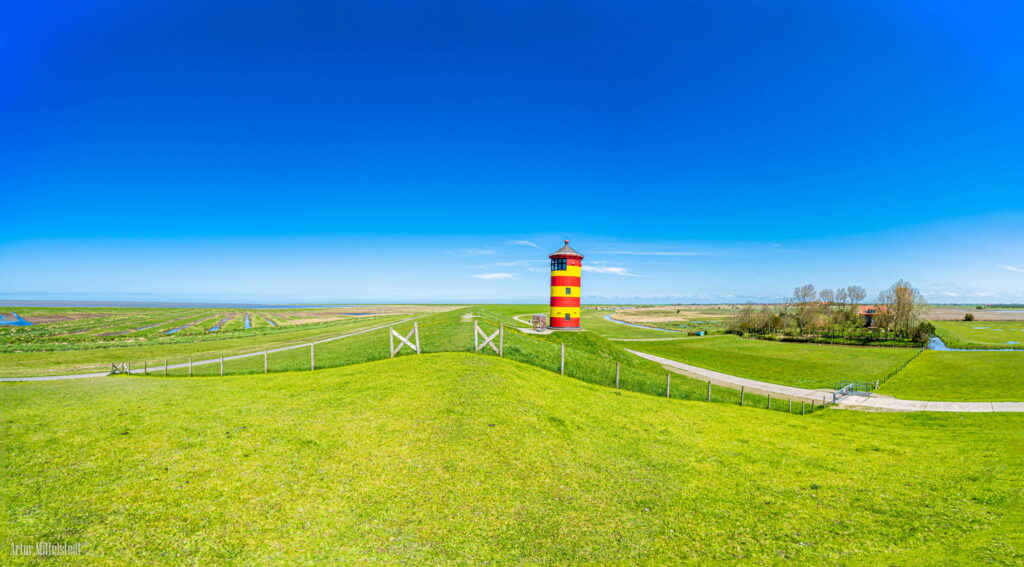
x=461, y=458
x=592, y=320
x=981, y=334
x=961, y=377
x=792, y=364
x=85, y=355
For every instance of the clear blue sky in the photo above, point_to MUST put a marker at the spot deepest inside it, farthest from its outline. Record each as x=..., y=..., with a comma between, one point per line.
x=694, y=151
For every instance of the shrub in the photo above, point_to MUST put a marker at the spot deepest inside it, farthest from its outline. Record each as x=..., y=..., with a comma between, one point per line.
x=968, y=316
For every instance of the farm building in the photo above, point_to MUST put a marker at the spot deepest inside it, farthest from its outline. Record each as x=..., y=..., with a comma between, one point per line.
x=869, y=314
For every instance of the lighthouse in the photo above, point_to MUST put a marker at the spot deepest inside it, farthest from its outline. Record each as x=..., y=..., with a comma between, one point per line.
x=566, y=268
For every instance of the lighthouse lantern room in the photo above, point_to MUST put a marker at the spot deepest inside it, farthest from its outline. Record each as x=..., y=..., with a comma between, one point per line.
x=566, y=268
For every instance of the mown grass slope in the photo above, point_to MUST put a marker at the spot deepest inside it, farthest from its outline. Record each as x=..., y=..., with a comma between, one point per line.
x=793, y=364
x=461, y=458
x=961, y=377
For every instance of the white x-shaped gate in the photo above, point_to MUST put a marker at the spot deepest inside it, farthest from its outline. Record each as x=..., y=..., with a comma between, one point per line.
x=488, y=340
x=412, y=340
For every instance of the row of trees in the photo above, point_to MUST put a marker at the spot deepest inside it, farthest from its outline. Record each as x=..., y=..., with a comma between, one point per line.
x=837, y=313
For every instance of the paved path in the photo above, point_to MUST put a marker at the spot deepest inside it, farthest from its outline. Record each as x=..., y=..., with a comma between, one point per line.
x=202, y=362
x=664, y=339
x=874, y=402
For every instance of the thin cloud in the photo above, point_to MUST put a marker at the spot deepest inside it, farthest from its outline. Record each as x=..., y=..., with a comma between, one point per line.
x=475, y=252
x=506, y=264
x=652, y=253
x=1013, y=269
x=494, y=276
x=615, y=270
x=524, y=243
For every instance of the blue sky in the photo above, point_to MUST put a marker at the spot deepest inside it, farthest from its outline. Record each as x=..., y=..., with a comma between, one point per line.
x=694, y=151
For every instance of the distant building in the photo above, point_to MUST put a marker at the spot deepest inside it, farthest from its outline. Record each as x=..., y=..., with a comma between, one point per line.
x=869, y=314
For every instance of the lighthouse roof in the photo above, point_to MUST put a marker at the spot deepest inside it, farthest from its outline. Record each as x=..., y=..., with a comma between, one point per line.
x=565, y=251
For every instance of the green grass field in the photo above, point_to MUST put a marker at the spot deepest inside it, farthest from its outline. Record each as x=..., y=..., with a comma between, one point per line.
x=593, y=320
x=457, y=458
x=961, y=376
x=196, y=342
x=981, y=334
x=793, y=364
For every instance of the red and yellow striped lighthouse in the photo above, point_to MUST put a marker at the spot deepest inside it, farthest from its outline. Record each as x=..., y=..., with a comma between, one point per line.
x=566, y=268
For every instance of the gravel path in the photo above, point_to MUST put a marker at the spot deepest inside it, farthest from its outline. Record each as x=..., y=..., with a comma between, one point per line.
x=874, y=402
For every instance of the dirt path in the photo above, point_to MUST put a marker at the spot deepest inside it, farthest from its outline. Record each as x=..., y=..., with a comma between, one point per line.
x=874, y=402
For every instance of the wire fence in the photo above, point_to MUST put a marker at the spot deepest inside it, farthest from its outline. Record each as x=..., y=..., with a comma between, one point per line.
x=484, y=335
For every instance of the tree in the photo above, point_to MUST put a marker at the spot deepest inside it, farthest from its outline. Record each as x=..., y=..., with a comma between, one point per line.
x=856, y=294
x=804, y=300
x=968, y=316
x=901, y=306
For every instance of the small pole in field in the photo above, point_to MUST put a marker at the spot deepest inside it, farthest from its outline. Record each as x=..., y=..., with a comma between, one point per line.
x=668, y=384
x=145, y=367
x=165, y=368
x=801, y=408
x=476, y=337
x=391, y=343
x=791, y=405
x=312, y=356
x=265, y=365
x=416, y=331
x=562, y=369
x=617, y=364
x=769, y=401
x=190, y=366
x=741, y=395
x=129, y=366
x=501, y=341
x=823, y=401
x=709, y=390
x=222, y=366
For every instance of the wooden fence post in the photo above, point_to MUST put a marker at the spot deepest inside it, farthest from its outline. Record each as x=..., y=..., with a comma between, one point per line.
x=769, y=401
x=416, y=331
x=222, y=366
x=476, y=337
x=312, y=356
x=129, y=367
x=617, y=364
x=391, y=342
x=190, y=367
x=265, y=362
x=741, y=395
x=801, y=408
x=791, y=405
x=668, y=384
x=562, y=366
x=501, y=341
x=709, y=390
x=165, y=368
x=145, y=367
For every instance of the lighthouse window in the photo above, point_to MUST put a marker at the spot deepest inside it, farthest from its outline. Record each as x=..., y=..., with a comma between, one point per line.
x=568, y=291
x=558, y=264
x=566, y=316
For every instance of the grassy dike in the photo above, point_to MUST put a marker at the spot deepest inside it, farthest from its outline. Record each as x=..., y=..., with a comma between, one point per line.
x=461, y=458
x=98, y=357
